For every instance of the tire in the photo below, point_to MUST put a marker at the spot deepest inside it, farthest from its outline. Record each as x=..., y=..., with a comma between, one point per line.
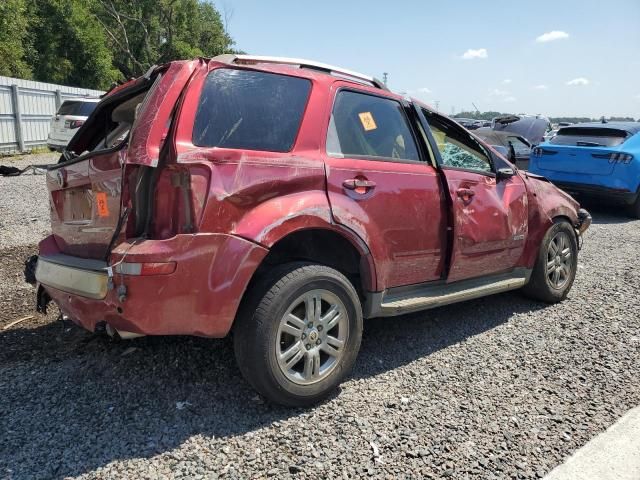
x=542, y=285
x=264, y=342
x=634, y=208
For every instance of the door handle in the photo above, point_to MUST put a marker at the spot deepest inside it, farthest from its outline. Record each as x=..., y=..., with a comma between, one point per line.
x=359, y=185
x=465, y=193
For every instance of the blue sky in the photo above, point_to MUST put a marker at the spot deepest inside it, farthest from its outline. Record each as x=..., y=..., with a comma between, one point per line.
x=587, y=64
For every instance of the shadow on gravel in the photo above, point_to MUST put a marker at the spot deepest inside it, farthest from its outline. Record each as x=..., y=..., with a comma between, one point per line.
x=606, y=214
x=73, y=402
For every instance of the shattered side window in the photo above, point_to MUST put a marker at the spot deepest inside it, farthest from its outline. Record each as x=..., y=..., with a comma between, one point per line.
x=456, y=149
x=250, y=110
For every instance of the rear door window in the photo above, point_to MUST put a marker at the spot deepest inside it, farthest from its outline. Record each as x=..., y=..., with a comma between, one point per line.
x=250, y=110
x=78, y=108
x=365, y=125
x=589, y=137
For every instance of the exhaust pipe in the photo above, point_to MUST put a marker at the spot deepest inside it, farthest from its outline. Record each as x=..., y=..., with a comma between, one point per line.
x=115, y=333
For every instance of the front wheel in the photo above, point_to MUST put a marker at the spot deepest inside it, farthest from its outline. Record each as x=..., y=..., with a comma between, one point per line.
x=555, y=268
x=298, y=333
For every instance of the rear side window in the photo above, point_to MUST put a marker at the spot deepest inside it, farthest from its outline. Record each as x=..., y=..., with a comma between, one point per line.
x=74, y=107
x=369, y=126
x=589, y=137
x=250, y=110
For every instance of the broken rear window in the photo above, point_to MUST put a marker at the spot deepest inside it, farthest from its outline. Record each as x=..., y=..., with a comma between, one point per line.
x=590, y=137
x=250, y=110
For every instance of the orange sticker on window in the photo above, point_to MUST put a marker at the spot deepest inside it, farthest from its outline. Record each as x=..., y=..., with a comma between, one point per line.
x=368, y=123
x=101, y=204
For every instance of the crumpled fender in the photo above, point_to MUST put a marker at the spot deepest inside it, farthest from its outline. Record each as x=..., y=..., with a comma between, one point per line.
x=546, y=203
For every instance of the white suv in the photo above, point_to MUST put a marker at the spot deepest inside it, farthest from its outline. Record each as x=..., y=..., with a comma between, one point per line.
x=70, y=116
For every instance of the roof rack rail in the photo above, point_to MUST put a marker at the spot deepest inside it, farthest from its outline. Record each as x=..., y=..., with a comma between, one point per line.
x=302, y=63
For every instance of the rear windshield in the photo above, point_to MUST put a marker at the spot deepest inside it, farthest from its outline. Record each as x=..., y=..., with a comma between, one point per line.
x=250, y=110
x=589, y=137
x=74, y=107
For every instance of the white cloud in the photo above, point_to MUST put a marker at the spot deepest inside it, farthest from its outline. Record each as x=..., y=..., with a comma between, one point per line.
x=540, y=87
x=506, y=81
x=551, y=36
x=509, y=99
x=471, y=54
x=423, y=90
x=578, y=81
x=496, y=92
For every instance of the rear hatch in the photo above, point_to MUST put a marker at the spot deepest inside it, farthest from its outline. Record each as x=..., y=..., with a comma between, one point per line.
x=123, y=135
x=581, y=150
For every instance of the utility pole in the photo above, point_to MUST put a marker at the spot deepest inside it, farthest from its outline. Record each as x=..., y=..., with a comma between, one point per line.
x=437, y=104
x=385, y=76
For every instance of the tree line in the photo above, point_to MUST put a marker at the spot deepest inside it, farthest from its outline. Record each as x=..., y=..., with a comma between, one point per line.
x=93, y=43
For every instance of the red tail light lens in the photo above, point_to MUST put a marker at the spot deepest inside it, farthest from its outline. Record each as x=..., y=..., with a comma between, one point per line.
x=73, y=123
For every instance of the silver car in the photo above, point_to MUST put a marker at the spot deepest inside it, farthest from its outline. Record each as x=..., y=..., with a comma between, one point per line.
x=69, y=117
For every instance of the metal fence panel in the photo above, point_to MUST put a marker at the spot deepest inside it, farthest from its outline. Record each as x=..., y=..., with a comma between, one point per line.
x=26, y=109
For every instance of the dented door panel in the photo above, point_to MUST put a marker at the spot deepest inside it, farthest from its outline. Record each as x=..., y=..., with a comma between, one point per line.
x=490, y=226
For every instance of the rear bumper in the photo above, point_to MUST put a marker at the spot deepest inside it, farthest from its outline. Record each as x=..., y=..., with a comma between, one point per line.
x=200, y=297
x=598, y=191
x=57, y=145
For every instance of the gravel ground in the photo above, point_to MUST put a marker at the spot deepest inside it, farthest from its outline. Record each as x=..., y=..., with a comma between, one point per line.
x=500, y=387
x=23, y=202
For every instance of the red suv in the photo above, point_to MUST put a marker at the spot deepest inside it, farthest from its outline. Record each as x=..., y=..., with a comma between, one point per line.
x=286, y=200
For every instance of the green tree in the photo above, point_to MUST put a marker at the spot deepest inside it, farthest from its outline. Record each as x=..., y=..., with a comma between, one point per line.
x=14, y=40
x=146, y=32
x=70, y=44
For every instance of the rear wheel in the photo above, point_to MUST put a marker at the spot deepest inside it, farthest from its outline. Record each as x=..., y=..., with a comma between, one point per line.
x=634, y=208
x=555, y=268
x=298, y=334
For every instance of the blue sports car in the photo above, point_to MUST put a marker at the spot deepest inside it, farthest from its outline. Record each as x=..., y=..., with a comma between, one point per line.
x=594, y=159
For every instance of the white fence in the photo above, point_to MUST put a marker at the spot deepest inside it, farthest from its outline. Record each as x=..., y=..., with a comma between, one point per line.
x=26, y=108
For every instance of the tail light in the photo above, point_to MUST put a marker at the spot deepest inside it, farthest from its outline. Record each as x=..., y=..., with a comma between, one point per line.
x=73, y=123
x=624, y=158
x=147, y=268
x=180, y=196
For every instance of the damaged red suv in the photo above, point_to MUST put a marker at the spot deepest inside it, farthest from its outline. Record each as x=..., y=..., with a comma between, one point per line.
x=284, y=201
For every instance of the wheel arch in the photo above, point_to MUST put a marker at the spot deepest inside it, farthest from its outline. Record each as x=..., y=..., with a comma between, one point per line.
x=326, y=244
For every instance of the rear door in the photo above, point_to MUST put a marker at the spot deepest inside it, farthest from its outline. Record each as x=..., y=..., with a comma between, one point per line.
x=380, y=186
x=489, y=216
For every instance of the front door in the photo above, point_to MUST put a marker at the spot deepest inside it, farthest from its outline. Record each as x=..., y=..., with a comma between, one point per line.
x=382, y=187
x=490, y=216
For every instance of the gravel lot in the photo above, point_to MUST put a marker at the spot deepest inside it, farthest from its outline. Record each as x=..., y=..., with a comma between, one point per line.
x=500, y=387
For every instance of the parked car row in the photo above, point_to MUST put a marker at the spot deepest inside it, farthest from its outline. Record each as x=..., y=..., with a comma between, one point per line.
x=285, y=201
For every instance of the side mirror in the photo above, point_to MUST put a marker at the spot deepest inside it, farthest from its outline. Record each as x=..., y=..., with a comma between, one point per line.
x=504, y=173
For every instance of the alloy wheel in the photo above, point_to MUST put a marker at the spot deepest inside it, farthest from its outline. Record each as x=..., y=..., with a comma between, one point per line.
x=311, y=337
